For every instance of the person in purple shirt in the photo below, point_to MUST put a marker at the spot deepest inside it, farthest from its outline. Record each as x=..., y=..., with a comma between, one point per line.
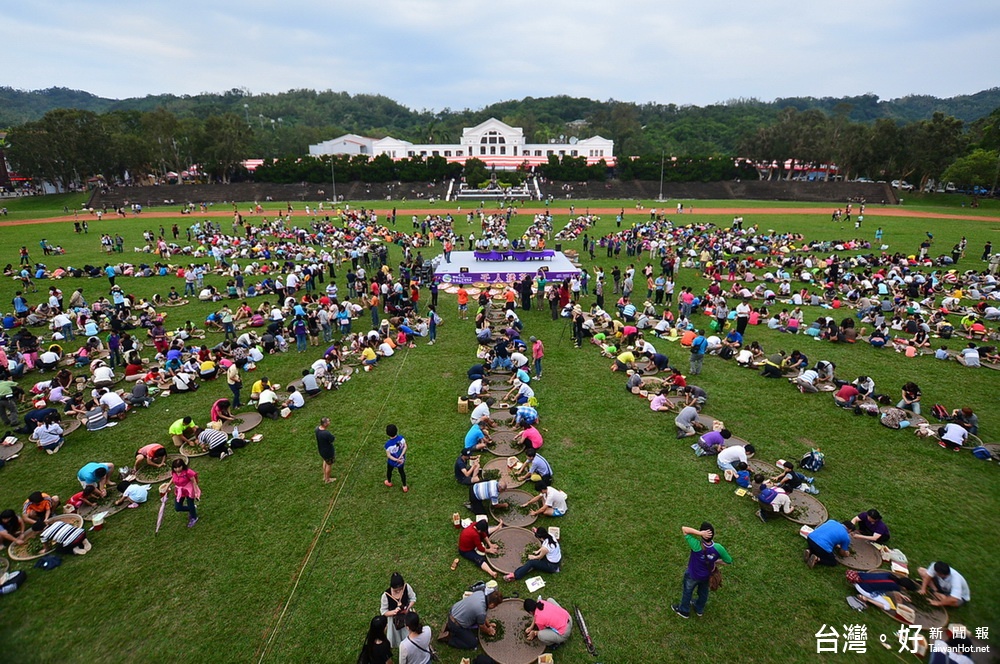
x=829, y=540
x=705, y=555
x=870, y=527
x=712, y=442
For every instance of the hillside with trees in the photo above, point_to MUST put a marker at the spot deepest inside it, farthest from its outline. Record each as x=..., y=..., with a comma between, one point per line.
x=67, y=136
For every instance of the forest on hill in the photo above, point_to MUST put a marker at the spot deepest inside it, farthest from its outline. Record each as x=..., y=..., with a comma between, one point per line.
x=309, y=116
x=67, y=136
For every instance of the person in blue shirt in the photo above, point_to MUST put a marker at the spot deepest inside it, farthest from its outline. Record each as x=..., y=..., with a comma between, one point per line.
x=829, y=540
x=733, y=340
x=476, y=438
x=698, y=348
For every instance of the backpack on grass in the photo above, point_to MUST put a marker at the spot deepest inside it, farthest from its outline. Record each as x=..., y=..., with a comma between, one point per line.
x=813, y=461
x=939, y=412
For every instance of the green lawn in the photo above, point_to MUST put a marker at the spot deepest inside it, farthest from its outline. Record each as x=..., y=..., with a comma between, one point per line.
x=285, y=569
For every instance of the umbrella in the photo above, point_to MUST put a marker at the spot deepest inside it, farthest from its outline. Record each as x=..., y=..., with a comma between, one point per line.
x=163, y=506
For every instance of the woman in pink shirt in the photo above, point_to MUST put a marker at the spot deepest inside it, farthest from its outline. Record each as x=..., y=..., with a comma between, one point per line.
x=551, y=624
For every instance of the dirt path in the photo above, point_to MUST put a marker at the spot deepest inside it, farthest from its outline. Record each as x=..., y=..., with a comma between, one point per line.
x=870, y=213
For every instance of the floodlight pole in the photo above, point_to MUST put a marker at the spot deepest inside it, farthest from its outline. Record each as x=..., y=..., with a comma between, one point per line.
x=333, y=180
x=662, y=157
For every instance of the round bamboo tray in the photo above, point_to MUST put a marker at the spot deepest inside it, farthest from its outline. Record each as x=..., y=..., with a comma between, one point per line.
x=504, y=444
x=513, y=517
x=513, y=541
x=245, y=422
x=512, y=648
x=806, y=510
x=7, y=451
x=506, y=474
x=20, y=553
x=865, y=556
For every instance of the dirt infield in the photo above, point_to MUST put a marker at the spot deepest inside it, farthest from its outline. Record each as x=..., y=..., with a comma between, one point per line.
x=870, y=213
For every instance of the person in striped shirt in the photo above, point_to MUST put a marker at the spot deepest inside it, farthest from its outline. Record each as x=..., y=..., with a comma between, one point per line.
x=66, y=537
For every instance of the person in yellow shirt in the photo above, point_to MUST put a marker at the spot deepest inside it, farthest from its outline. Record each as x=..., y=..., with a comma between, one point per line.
x=368, y=357
x=258, y=387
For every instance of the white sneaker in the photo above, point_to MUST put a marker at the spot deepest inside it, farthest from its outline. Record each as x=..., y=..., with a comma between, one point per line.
x=112, y=424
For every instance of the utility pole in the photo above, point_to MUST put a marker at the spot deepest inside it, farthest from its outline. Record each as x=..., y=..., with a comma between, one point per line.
x=333, y=180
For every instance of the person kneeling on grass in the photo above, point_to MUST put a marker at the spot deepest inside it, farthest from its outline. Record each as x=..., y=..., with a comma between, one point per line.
x=66, y=538
x=829, y=540
x=132, y=492
x=154, y=455
x=467, y=616
x=183, y=431
x=551, y=624
x=216, y=442
x=712, y=443
x=474, y=542
x=546, y=559
x=267, y=403
x=771, y=498
x=687, y=422
x=553, y=501
x=729, y=456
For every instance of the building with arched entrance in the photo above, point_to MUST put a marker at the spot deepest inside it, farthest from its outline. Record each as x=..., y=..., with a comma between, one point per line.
x=496, y=143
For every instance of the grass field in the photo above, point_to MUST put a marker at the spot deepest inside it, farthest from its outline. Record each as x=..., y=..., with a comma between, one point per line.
x=284, y=569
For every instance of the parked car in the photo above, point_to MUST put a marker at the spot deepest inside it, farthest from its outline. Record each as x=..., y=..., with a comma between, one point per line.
x=902, y=184
x=950, y=188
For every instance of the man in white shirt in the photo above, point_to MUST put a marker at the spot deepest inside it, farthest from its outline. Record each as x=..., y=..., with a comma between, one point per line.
x=969, y=356
x=482, y=412
x=553, y=501
x=103, y=376
x=947, y=587
x=729, y=456
x=952, y=436
x=115, y=404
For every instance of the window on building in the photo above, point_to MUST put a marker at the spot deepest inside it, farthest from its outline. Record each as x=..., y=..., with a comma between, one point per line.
x=562, y=153
x=434, y=153
x=411, y=153
x=447, y=153
x=493, y=149
x=423, y=153
x=538, y=153
x=459, y=153
x=572, y=153
x=363, y=149
x=503, y=149
x=482, y=149
x=549, y=153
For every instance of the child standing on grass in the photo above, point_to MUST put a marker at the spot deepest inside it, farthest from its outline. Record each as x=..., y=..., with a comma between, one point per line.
x=395, y=452
x=186, y=489
x=537, y=353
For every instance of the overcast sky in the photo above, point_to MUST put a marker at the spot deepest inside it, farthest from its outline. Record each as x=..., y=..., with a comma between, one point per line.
x=457, y=54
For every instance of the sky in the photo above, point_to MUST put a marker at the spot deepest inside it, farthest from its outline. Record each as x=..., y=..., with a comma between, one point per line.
x=437, y=54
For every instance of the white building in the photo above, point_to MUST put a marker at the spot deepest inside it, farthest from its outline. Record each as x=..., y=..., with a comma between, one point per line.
x=494, y=142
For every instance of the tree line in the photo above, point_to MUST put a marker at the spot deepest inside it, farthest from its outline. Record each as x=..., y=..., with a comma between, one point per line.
x=68, y=146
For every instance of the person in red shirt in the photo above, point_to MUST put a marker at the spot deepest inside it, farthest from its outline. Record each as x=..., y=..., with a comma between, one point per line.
x=463, y=303
x=551, y=624
x=846, y=396
x=154, y=455
x=474, y=542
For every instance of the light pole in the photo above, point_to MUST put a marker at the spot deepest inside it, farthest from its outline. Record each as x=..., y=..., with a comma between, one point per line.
x=246, y=111
x=333, y=179
x=663, y=155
